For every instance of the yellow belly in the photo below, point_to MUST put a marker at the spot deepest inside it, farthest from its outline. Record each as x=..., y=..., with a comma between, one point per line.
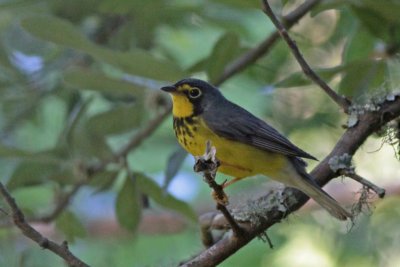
x=237, y=159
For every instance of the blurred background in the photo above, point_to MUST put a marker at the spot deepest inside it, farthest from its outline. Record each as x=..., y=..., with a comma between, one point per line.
x=86, y=141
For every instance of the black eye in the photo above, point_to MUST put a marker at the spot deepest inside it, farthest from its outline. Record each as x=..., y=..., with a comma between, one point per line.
x=194, y=92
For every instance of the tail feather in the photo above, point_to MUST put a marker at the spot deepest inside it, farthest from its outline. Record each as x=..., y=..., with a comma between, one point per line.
x=325, y=200
x=306, y=184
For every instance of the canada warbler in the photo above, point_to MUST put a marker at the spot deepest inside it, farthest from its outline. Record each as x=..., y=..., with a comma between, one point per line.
x=245, y=145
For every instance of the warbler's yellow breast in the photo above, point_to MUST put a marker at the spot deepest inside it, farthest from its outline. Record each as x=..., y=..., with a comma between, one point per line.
x=237, y=159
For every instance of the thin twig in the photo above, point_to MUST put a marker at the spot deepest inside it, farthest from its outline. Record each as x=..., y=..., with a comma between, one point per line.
x=92, y=170
x=24, y=112
x=27, y=230
x=378, y=190
x=265, y=237
x=133, y=143
x=136, y=140
x=208, y=165
x=143, y=134
x=343, y=102
x=61, y=205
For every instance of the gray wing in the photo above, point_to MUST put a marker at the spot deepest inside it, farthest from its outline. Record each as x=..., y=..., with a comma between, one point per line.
x=235, y=123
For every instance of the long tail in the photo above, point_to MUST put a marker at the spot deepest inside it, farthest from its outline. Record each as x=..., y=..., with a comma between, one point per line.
x=307, y=184
x=325, y=200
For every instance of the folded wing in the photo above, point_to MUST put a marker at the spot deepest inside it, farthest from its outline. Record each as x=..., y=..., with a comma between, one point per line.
x=240, y=125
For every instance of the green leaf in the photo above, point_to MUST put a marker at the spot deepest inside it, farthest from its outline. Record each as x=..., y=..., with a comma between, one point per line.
x=89, y=144
x=74, y=118
x=373, y=21
x=359, y=46
x=103, y=180
x=346, y=27
x=56, y=30
x=83, y=142
x=293, y=80
x=226, y=48
x=362, y=74
x=362, y=77
x=31, y=173
x=381, y=20
x=128, y=205
x=65, y=176
x=240, y=3
x=70, y=225
x=139, y=62
x=119, y=119
x=389, y=10
x=11, y=152
x=136, y=61
x=328, y=5
x=83, y=79
x=175, y=161
x=269, y=68
x=154, y=191
x=48, y=156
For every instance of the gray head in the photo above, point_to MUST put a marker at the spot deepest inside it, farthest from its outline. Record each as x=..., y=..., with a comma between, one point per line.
x=192, y=96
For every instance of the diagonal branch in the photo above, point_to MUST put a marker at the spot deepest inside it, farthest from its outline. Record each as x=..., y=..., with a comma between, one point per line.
x=28, y=231
x=251, y=56
x=136, y=140
x=343, y=102
x=62, y=203
x=349, y=143
x=133, y=143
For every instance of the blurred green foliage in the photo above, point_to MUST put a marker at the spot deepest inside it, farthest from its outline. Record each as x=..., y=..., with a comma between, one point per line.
x=80, y=78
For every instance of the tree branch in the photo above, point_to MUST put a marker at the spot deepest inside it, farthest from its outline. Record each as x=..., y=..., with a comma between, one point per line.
x=28, y=231
x=251, y=56
x=378, y=190
x=343, y=102
x=267, y=216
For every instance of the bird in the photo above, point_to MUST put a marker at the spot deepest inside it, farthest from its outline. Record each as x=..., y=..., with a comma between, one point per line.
x=245, y=145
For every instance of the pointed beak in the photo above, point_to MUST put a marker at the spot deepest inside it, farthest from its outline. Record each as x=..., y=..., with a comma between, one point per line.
x=169, y=88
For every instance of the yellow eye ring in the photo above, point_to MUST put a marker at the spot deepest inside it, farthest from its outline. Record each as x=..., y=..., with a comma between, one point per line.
x=194, y=92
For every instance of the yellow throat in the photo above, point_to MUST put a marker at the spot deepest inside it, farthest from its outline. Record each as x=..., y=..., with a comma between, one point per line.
x=181, y=106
